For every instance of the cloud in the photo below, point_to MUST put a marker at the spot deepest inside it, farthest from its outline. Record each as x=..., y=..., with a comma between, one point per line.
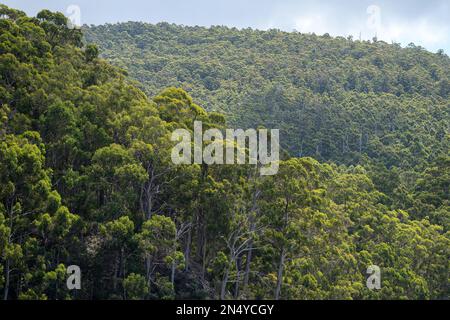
x=426, y=23
x=312, y=23
x=427, y=26
x=420, y=31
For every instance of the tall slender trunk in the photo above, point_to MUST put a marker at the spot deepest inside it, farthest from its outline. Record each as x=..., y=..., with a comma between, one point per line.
x=282, y=255
x=172, y=273
x=149, y=203
x=187, y=252
x=174, y=264
x=238, y=278
x=148, y=267
x=249, y=254
x=7, y=277
x=201, y=223
x=204, y=258
x=200, y=234
x=250, y=243
x=223, y=288
x=150, y=207
x=201, y=241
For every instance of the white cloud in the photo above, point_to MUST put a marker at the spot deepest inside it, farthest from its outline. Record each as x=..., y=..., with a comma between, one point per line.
x=386, y=25
x=312, y=23
x=420, y=31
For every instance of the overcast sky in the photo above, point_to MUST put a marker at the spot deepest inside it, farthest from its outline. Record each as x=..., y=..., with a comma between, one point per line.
x=426, y=22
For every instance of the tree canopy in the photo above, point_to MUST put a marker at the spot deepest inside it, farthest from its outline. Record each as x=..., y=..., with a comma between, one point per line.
x=86, y=176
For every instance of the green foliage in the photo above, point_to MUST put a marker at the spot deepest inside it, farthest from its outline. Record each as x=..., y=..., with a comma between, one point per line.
x=135, y=287
x=332, y=98
x=86, y=176
x=91, y=52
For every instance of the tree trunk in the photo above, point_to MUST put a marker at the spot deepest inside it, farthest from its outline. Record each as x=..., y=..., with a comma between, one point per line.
x=238, y=278
x=172, y=274
x=187, y=252
x=148, y=267
x=7, y=273
x=204, y=259
x=250, y=243
x=224, y=283
x=174, y=264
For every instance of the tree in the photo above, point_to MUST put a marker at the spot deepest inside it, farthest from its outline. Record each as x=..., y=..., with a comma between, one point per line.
x=135, y=287
x=157, y=241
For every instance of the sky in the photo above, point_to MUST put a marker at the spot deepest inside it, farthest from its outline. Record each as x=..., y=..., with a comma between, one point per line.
x=424, y=22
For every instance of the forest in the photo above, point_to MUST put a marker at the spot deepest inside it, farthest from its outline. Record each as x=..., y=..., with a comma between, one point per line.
x=86, y=176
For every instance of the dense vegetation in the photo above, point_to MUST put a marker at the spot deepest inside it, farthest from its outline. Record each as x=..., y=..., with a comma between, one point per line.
x=334, y=99
x=86, y=176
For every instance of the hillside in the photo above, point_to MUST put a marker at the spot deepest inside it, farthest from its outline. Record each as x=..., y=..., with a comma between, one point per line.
x=337, y=100
x=86, y=179
x=333, y=98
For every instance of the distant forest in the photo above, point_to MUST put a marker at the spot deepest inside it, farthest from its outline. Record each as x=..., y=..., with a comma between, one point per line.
x=86, y=177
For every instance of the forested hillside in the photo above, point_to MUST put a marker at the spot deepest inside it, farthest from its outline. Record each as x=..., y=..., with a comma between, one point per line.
x=86, y=176
x=334, y=99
